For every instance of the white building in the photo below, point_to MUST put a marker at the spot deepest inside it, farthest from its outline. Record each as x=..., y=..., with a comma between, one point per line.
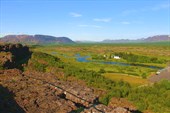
x=158, y=72
x=116, y=57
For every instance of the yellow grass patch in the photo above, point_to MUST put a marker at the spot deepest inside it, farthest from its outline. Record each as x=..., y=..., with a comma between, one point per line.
x=133, y=80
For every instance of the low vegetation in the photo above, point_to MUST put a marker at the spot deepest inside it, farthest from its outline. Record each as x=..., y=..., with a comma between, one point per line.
x=42, y=61
x=132, y=80
x=145, y=98
x=155, y=97
x=129, y=57
x=155, y=54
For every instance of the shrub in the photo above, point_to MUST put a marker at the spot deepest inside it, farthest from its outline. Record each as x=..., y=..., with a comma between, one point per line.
x=102, y=71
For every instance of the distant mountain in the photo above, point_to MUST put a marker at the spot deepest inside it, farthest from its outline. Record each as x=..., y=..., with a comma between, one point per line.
x=85, y=41
x=118, y=41
x=34, y=39
x=156, y=38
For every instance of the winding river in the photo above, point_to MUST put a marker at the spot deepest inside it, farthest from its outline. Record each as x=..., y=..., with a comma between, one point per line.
x=80, y=58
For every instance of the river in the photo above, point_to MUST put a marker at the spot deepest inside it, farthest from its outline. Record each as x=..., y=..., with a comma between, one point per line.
x=80, y=58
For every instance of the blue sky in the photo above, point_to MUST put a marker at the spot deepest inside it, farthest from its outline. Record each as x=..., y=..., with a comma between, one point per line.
x=86, y=19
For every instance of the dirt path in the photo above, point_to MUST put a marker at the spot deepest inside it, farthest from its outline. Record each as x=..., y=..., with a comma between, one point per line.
x=164, y=74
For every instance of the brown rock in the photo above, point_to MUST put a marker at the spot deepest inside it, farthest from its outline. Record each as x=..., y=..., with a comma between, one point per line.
x=121, y=102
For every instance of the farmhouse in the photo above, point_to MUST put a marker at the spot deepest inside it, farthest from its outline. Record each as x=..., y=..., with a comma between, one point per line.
x=158, y=72
x=116, y=57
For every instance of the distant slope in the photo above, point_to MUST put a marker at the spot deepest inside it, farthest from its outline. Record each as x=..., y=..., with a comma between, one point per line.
x=85, y=41
x=118, y=41
x=157, y=38
x=34, y=39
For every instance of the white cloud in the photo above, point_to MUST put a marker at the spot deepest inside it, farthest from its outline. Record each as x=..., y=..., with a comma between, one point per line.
x=125, y=23
x=73, y=14
x=102, y=19
x=91, y=26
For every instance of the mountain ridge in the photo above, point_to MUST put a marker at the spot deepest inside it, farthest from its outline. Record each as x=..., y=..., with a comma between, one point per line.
x=155, y=38
x=47, y=39
x=35, y=39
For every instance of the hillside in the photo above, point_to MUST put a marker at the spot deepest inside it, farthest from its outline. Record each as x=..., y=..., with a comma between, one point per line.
x=117, y=41
x=47, y=83
x=34, y=39
x=156, y=38
x=34, y=90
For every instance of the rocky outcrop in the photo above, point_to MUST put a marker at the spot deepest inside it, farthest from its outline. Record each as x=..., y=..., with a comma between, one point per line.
x=7, y=102
x=44, y=92
x=116, y=105
x=12, y=54
x=18, y=50
x=100, y=108
x=121, y=102
x=32, y=95
x=78, y=94
x=6, y=60
x=33, y=92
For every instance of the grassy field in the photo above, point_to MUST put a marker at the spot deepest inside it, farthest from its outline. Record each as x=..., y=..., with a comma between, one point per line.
x=133, y=80
x=151, y=49
x=66, y=53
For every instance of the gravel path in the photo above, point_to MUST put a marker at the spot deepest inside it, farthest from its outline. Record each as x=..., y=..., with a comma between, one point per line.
x=164, y=74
